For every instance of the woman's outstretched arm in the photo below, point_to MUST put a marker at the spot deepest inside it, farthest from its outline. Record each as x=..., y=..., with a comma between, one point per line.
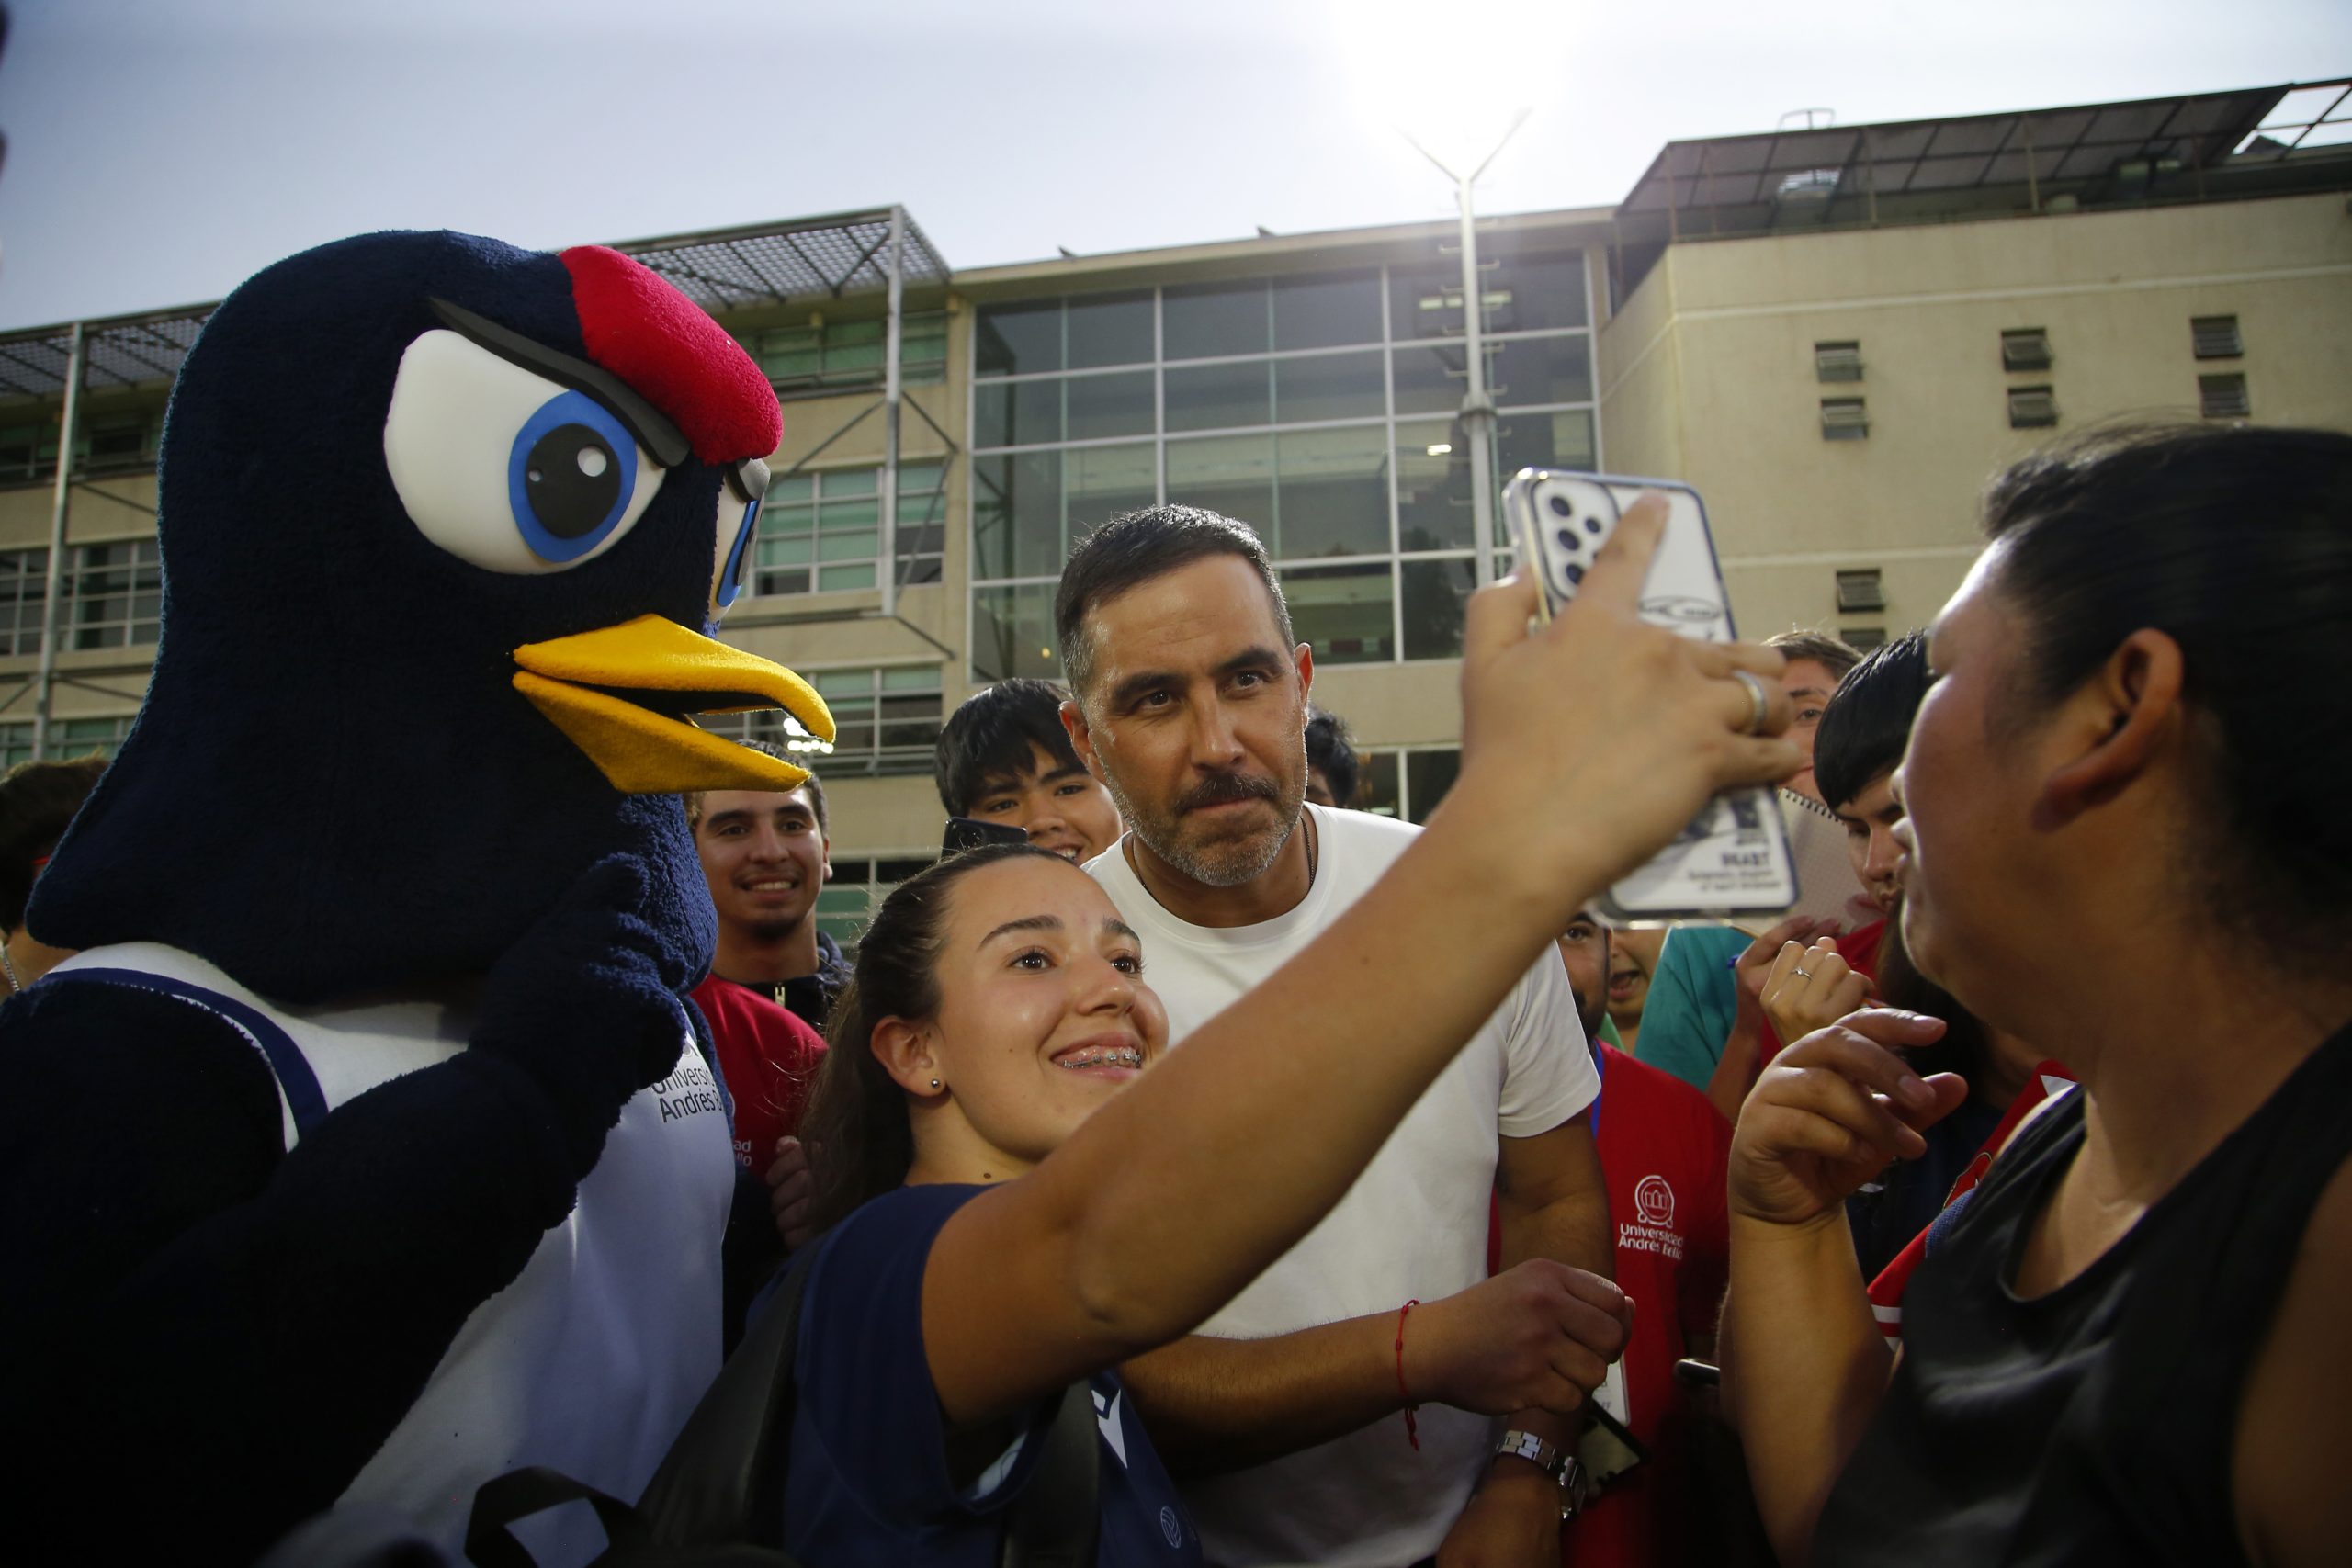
x=1585, y=745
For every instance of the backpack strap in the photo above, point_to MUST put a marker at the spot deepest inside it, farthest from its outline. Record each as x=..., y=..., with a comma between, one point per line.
x=723, y=1481
x=1055, y=1521
x=306, y=1103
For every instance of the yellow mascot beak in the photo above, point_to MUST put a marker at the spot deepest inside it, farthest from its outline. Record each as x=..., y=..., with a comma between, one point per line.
x=622, y=693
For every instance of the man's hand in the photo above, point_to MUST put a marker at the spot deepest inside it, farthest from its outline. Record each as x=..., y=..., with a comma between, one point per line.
x=790, y=1191
x=1513, y=1521
x=1538, y=1337
x=1810, y=987
x=1830, y=1113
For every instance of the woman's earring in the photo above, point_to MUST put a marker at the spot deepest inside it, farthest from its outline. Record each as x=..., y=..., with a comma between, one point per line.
x=934, y=1083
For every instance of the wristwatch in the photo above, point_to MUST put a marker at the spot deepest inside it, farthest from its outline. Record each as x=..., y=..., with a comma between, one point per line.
x=1554, y=1461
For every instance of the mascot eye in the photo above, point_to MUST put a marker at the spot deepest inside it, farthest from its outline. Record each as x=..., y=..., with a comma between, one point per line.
x=738, y=525
x=734, y=549
x=507, y=469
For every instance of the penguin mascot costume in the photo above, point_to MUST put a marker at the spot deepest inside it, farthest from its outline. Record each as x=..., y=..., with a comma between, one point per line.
x=365, y=1152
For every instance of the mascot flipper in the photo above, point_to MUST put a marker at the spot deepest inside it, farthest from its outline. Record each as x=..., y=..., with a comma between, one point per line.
x=364, y=1152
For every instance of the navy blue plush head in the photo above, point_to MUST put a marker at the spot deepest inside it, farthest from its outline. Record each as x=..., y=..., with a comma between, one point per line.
x=442, y=525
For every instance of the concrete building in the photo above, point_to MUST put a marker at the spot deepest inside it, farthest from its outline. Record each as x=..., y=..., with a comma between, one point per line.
x=1835, y=333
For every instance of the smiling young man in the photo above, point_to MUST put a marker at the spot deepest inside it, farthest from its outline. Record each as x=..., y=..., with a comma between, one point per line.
x=1190, y=703
x=1003, y=757
x=766, y=856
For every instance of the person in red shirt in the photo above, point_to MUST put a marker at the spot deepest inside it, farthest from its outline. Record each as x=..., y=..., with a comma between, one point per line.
x=1663, y=1151
x=769, y=1058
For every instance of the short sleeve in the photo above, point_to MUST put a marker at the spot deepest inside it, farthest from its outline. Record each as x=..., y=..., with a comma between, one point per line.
x=1694, y=1000
x=866, y=1392
x=1548, y=1075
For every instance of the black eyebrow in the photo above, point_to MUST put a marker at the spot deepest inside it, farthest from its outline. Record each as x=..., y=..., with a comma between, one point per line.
x=1261, y=658
x=654, y=430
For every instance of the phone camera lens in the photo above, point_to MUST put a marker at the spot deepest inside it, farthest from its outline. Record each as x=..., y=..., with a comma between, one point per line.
x=1592, y=526
x=1567, y=538
x=1560, y=505
x=1573, y=572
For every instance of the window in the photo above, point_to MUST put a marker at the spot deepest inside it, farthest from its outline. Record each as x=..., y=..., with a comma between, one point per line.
x=821, y=531
x=28, y=450
x=67, y=738
x=1844, y=419
x=1405, y=785
x=23, y=580
x=1321, y=409
x=1837, y=361
x=117, y=594
x=2032, y=408
x=117, y=443
x=857, y=889
x=1863, y=638
x=2215, y=337
x=2026, y=348
x=831, y=356
x=2224, y=397
x=1860, y=589
x=886, y=720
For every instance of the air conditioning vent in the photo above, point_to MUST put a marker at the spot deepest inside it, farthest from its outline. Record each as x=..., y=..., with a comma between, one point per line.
x=1837, y=361
x=2032, y=408
x=2216, y=337
x=1844, y=419
x=2027, y=349
x=1860, y=591
x=2224, y=397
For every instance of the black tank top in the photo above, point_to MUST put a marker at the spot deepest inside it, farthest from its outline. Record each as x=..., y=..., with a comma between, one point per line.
x=2094, y=1424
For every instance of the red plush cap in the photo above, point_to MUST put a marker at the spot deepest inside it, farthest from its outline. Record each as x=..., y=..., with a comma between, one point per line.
x=642, y=330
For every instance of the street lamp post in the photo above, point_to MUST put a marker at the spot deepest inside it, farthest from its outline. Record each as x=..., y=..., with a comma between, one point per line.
x=1478, y=404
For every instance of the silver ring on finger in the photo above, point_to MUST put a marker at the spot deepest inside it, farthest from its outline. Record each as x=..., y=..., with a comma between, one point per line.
x=1802, y=974
x=1757, y=703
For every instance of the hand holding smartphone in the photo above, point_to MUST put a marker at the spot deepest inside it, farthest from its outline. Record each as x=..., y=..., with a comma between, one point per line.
x=1733, y=860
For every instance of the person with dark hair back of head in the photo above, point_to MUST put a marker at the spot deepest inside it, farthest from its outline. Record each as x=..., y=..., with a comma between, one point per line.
x=1330, y=760
x=1003, y=757
x=1190, y=701
x=1786, y=988
x=1818, y=662
x=2125, y=838
x=37, y=802
x=766, y=856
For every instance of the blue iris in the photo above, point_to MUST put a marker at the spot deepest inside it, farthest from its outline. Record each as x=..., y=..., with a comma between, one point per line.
x=569, y=477
x=730, y=581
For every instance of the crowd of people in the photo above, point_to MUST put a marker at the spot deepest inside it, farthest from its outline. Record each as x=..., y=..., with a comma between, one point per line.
x=1391, y=1208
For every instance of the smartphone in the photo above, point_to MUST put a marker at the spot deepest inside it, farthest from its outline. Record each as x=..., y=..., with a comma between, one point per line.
x=971, y=833
x=1733, y=861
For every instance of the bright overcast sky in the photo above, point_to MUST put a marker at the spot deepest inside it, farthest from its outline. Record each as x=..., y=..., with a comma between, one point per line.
x=161, y=150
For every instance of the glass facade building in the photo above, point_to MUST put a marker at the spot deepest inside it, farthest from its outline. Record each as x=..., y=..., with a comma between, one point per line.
x=1323, y=409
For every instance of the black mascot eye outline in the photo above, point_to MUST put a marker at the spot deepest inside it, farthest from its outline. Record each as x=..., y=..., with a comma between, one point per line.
x=507, y=470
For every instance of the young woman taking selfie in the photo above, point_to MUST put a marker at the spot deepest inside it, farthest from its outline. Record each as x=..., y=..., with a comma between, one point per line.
x=1009, y=1214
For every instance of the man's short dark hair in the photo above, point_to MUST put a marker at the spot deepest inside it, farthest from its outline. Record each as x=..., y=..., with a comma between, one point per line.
x=1132, y=548
x=815, y=791
x=37, y=801
x=989, y=738
x=1867, y=722
x=1832, y=653
x=1329, y=748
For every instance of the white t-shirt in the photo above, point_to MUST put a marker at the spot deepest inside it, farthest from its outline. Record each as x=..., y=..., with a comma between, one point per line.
x=1414, y=1226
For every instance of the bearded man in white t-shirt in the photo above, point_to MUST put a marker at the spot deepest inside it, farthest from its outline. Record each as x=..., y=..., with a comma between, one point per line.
x=1315, y=1419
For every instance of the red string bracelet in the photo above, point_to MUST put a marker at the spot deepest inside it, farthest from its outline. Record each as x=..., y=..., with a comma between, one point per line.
x=1412, y=1434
